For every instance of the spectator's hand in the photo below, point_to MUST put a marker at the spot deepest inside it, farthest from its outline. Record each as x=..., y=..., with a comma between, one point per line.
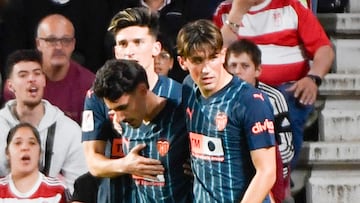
x=305, y=90
x=140, y=166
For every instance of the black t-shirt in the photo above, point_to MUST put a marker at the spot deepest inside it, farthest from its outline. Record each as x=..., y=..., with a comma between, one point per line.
x=86, y=188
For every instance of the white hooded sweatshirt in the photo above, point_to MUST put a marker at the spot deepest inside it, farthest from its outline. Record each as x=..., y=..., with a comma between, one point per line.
x=68, y=159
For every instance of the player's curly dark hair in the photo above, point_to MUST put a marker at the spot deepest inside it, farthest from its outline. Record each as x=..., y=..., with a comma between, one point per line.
x=118, y=76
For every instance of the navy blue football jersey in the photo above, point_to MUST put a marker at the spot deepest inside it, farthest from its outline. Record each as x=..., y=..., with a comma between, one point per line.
x=223, y=129
x=166, y=140
x=97, y=125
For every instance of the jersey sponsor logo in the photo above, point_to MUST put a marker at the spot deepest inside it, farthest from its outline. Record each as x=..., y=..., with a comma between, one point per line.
x=89, y=93
x=162, y=147
x=260, y=127
x=221, y=120
x=189, y=112
x=205, y=147
x=259, y=96
x=87, y=123
x=116, y=148
x=159, y=181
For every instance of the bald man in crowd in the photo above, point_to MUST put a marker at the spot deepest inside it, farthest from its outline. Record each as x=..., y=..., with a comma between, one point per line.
x=66, y=80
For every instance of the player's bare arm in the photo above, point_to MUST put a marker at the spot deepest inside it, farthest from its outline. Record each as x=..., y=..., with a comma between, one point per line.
x=101, y=166
x=265, y=165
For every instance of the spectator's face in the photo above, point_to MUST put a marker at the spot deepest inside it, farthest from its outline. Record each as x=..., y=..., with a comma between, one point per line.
x=27, y=82
x=56, y=41
x=23, y=152
x=130, y=107
x=163, y=63
x=137, y=44
x=206, y=69
x=242, y=66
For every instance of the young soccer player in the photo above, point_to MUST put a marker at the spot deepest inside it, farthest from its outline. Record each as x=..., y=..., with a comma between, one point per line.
x=230, y=123
x=243, y=59
x=150, y=122
x=135, y=31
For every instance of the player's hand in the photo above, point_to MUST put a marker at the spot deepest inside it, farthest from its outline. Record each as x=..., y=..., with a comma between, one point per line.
x=140, y=166
x=305, y=90
x=187, y=168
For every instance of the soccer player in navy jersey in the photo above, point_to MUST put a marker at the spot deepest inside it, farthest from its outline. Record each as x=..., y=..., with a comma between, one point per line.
x=230, y=123
x=243, y=59
x=147, y=120
x=135, y=32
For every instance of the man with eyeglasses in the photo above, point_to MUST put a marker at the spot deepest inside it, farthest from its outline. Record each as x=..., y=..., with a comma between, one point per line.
x=67, y=81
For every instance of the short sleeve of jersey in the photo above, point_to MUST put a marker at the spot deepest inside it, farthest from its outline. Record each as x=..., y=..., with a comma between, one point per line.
x=95, y=122
x=258, y=119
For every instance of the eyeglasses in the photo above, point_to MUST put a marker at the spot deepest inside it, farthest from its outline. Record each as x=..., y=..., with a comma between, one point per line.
x=164, y=55
x=53, y=41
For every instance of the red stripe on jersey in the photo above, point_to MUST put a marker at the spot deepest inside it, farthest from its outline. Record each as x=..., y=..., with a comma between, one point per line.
x=275, y=75
x=283, y=38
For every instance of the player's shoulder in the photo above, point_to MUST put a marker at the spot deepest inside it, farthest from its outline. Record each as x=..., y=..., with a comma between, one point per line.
x=248, y=93
x=168, y=82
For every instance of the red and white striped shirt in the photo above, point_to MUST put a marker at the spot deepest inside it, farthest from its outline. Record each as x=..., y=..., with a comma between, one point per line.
x=46, y=189
x=287, y=33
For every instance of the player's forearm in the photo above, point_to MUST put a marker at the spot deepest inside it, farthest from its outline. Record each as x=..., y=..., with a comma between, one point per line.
x=99, y=165
x=102, y=166
x=260, y=186
x=265, y=165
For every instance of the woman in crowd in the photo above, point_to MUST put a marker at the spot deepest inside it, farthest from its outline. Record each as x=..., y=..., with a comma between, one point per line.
x=25, y=181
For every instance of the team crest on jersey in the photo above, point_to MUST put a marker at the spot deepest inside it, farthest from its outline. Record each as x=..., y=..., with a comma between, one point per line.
x=221, y=120
x=162, y=147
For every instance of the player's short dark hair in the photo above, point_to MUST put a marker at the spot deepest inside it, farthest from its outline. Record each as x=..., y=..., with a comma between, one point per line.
x=21, y=55
x=118, y=76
